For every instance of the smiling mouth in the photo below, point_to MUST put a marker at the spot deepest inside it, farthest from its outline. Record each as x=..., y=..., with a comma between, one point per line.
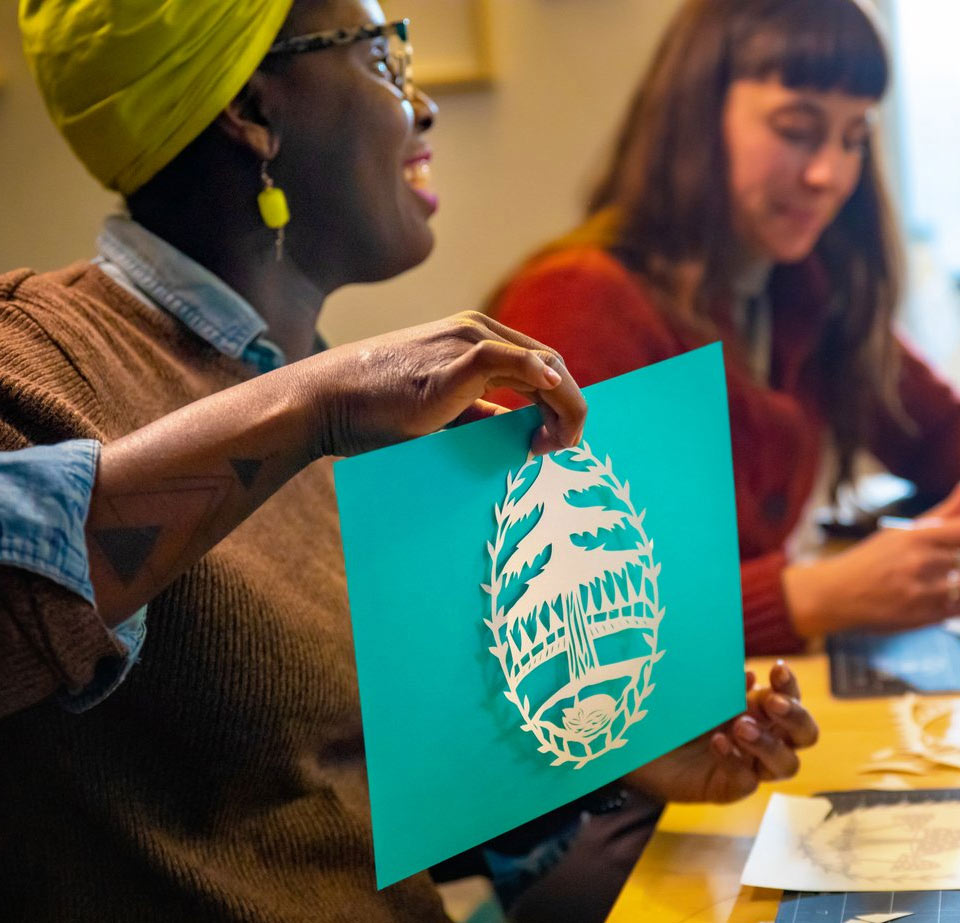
x=417, y=175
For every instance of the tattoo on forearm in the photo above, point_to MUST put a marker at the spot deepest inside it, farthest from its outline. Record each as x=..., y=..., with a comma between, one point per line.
x=131, y=528
x=246, y=470
x=127, y=548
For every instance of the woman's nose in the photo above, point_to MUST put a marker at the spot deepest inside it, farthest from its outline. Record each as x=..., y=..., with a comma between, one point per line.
x=424, y=109
x=832, y=167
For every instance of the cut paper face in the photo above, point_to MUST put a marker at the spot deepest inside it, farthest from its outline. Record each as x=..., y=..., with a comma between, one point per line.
x=574, y=605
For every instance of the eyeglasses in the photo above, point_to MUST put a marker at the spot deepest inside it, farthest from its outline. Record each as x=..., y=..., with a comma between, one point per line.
x=395, y=64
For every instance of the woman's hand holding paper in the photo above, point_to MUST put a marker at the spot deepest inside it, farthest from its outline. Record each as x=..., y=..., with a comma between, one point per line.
x=729, y=762
x=412, y=382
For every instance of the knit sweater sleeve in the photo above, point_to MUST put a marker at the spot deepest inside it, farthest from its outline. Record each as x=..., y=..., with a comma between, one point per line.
x=589, y=308
x=767, y=628
x=930, y=454
x=50, y=637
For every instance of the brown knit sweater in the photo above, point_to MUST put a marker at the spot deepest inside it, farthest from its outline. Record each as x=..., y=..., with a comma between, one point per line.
x=224, y=780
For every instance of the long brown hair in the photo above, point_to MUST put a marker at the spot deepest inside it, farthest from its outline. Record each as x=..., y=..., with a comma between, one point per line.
x=671, y=212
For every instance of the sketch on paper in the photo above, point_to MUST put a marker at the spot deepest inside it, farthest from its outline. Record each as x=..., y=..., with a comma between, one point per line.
x=858, y=841
x=914, y=845
x=574, y=604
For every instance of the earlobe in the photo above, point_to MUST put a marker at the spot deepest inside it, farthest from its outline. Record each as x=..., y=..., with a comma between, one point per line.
x=247, y=121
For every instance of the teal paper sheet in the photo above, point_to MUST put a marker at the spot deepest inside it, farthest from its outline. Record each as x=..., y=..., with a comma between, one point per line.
x=529, y=630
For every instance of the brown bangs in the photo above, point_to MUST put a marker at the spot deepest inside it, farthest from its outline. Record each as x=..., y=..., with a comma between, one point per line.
x=818, y=44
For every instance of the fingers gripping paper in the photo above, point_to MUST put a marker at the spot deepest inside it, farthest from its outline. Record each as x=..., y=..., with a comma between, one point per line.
x=530, y=629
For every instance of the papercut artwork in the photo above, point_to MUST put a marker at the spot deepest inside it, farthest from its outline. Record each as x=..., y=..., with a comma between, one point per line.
x=929, y=732
x=528, y=630
x=575, y=611
x=805, y=845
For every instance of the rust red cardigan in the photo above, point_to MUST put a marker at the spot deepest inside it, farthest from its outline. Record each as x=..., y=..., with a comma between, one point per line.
x=603, y=321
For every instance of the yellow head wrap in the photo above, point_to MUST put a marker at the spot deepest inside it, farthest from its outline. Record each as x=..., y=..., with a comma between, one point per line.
x=130, y=83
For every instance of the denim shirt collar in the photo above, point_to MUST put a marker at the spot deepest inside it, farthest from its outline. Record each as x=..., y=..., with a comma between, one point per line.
x=166, y=278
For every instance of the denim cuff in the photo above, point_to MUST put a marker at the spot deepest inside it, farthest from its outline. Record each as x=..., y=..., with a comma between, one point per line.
x=111, y=671
x=44, y=501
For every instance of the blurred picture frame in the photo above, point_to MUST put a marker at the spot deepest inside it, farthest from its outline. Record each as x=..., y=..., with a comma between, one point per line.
x=451, y=42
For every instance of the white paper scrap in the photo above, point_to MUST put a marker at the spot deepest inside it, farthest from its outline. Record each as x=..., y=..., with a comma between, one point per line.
x=879, y=917
x=801, y=846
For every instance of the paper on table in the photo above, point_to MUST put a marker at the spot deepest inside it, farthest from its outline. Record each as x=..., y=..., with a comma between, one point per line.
x=803, y=845
x=879, y=917
x=925, y=744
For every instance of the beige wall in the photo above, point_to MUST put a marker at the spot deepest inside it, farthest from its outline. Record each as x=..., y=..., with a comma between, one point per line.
x=50, y=208
x=511, y=161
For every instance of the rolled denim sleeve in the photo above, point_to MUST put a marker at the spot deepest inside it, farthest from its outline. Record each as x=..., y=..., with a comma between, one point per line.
x=44, y=501
x=110, y=672
x=45, y=494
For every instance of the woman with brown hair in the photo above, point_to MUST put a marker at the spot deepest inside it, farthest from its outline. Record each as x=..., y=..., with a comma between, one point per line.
x=744, y=203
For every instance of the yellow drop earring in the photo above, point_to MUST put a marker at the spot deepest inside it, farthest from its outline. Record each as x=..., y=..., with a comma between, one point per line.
x=273, y=208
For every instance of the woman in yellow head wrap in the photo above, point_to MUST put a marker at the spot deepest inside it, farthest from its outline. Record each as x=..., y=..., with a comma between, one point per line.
x=268, y=154
x=131, y=84
x=223, y=778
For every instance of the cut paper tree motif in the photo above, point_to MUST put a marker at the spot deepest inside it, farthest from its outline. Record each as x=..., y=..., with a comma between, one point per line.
x=574, y=604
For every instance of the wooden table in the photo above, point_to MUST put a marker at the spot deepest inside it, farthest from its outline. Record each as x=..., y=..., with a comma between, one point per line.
x=690, y=871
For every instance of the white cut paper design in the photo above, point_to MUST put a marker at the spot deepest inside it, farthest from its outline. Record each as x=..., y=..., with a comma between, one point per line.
x=801, y=846
x=574, y=604
x=925, y=744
